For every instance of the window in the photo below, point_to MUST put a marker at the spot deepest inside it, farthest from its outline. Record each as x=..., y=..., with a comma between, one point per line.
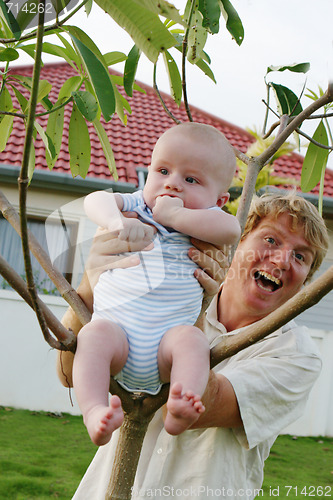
x=54, y=242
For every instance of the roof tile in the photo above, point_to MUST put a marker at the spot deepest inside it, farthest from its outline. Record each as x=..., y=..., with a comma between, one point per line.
x=132, y=145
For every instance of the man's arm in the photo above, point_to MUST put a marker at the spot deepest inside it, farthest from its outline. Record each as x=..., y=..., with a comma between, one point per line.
x=221, y=404
x=213, y=226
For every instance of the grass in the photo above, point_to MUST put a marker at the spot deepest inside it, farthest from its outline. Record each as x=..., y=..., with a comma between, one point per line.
x=44, y=456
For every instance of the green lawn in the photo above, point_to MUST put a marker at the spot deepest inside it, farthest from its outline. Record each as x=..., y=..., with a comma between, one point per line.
x=43, y=456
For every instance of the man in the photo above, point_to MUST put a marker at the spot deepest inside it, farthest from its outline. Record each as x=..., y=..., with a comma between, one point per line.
x=252, y=396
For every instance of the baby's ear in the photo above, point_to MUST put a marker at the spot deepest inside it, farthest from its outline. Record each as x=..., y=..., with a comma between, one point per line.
x=223, y=199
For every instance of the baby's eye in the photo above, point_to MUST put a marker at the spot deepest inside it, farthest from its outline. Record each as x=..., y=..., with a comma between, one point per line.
x=191, y=180
x=164, y=171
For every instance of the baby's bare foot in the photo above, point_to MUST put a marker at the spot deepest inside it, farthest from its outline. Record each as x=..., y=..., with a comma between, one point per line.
x=183, y=410
x=101, y=421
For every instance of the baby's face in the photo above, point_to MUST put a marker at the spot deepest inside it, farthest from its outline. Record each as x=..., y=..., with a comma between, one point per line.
x=184, y=169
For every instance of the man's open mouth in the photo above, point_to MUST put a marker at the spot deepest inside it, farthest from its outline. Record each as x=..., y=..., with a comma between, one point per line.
x=267, y=282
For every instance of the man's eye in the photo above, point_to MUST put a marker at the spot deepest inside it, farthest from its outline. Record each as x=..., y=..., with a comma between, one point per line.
x=299, y=256
x=191, y=180
x=270, y=240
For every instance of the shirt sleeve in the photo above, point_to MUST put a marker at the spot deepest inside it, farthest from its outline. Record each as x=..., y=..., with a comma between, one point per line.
x=272, y=381
x=131, y=200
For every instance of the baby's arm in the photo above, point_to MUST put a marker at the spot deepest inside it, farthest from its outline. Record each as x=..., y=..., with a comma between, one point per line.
x=104, y=209
x=214, y=226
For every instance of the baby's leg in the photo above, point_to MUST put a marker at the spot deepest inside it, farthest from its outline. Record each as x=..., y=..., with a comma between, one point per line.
x=183, y=359
x=102, y=350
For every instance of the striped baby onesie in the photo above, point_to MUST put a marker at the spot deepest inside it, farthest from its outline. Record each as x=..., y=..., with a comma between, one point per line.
x=149, y=299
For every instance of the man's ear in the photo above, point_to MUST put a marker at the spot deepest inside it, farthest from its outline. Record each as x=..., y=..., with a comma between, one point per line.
x=223, y=199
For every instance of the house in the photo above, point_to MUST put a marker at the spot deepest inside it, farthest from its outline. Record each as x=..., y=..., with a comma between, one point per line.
x=56, y=197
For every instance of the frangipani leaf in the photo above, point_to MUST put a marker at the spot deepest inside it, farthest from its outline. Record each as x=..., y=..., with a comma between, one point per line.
x=296, y=68
x=174, y=77
x=288, y=103
x=211, y=12
x=78, y=144
x=104, y=140
x=131, y=66
x=54, y=131
x=86, y=104
x=315, y=160
x=143, y=25
x=10, y=20
x=233, y=22
x=98, y=74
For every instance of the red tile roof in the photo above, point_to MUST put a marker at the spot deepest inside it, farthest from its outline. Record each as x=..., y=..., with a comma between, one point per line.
x=132, y=145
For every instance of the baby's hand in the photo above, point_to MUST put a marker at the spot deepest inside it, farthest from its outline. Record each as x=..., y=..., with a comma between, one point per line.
x=164, y=209
x=134, y=230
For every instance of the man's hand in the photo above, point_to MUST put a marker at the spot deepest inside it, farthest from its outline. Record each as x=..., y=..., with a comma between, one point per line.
x=165, y=208
x=104, y=254
x=213, y=264
x=135, y=231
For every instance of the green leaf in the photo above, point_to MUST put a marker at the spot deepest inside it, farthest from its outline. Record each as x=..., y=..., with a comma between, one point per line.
x=6, y=103
x=6, y=126
x=27, y=13
x=54, y=131
x=143, y=25
x=196, y=39
x=288, y=103
x=58, y=51
x=86, y=104
x=28, y=49
x=315, y=160
x=73, y=56
x=104, y=140
x=211, y=12
x=8, y=54
x=296, y=68
x=88, y=6
x=233, y=22
x=114, y=57
x=78, y=144
x=174, y=77
x=131, y=66
x=32, y=161
x=49, y=146
x=10, y=20
x=98, y=74
x=60, y=5
x=23, y=102
x=68, y=87
x=162, y=8
x=44, y=88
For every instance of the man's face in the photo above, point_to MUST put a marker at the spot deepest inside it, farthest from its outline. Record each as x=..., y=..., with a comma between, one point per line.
x=271, y=264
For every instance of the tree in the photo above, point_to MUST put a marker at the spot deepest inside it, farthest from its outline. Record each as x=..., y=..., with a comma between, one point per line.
x=93, y=94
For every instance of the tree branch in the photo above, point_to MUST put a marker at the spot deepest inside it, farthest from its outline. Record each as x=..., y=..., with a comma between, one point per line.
x=65, y=289
x=67, y=340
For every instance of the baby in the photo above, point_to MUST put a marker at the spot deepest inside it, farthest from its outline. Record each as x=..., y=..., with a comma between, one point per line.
x=142, y=329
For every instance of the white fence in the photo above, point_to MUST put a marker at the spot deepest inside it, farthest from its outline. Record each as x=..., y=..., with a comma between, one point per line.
x=28, y=376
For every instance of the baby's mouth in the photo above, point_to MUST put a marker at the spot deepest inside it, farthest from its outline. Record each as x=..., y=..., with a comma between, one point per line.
x=267, y=282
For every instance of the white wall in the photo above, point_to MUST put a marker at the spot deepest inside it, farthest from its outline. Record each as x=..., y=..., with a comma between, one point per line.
x=28, y=376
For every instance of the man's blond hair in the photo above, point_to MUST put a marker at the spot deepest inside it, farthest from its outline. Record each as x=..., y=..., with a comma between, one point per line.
x=303, y=214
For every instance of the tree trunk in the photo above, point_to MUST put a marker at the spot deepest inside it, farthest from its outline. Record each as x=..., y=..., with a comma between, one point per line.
x=128, y=450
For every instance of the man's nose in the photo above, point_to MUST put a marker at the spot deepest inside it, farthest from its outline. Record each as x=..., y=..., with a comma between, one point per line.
x=282, y=258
